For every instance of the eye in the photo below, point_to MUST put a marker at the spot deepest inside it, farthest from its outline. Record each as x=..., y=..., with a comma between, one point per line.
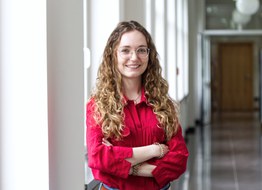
x=125, y=51
x=142, y=50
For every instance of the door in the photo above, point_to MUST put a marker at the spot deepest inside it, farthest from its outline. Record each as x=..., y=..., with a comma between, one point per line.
x=236, y=76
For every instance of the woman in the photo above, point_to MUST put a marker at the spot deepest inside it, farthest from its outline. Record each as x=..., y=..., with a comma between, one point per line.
x=134, y=137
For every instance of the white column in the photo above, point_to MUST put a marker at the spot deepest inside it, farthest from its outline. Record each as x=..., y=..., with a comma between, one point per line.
x=160, y=33
x=101, y=26
x=66, y=94
x=196, y=26
x=23, y=99
x=171, y=48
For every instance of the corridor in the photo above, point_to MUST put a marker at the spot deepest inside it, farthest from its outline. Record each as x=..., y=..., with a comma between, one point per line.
x=227, y=154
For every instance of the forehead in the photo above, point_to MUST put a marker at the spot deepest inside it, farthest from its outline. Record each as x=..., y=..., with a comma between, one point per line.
x=133, y=39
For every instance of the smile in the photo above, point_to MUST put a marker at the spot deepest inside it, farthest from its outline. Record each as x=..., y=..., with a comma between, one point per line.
x=133, y=66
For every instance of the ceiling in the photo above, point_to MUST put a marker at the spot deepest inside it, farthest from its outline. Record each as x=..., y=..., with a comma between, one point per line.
x=219, y=16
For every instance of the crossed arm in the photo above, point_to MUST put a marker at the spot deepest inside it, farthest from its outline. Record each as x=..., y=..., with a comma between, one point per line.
x=141, y=155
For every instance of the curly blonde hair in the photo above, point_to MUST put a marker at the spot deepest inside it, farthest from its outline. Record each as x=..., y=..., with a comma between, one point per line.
x=108, y=96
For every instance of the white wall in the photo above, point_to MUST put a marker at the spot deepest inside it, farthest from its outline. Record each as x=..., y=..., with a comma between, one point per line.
x=23, y=100
x=66, y=94
x=133, y=10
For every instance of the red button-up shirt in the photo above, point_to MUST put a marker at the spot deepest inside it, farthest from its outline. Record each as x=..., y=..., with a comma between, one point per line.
x=108, y=163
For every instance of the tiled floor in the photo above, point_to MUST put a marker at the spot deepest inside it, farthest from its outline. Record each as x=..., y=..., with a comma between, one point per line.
x=227, y=154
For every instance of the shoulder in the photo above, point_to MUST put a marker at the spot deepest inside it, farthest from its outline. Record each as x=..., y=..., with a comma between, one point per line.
x=90, y=105
x=90, y=112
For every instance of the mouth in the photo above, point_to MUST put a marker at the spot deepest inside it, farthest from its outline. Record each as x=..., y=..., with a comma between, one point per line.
x=133, y=66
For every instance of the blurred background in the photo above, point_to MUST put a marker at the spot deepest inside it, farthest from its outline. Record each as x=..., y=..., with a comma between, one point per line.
x=211, y=55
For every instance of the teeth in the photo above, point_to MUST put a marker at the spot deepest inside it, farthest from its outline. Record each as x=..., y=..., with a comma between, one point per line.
x=133, y=66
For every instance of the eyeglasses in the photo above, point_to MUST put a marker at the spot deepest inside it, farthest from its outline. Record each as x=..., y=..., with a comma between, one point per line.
x=141, y=52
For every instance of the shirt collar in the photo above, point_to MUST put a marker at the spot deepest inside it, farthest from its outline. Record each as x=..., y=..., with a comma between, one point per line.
x=143, y=97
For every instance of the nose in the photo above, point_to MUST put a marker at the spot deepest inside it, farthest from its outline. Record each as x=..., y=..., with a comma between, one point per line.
x=133, y=55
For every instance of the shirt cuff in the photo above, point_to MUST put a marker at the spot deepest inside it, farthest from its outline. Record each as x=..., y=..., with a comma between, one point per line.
x=160, y=174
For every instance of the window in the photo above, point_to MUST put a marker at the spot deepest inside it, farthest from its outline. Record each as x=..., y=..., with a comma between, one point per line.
x=97, y=28
x=182, y=49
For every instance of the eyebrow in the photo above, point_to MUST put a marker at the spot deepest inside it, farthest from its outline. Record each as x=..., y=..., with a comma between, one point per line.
x=130, y=46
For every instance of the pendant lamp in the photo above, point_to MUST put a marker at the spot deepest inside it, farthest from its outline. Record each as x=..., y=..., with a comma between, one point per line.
x=240, y=18
x=247, y=7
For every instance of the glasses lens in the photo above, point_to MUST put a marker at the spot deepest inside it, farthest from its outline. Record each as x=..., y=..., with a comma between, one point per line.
x=141, y=52
x=125, y=53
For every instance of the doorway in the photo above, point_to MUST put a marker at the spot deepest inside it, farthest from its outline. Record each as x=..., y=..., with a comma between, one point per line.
x=232, y=79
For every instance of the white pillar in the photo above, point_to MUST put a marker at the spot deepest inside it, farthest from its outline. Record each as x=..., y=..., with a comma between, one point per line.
x=66, y=94
x=23, y=99
x=196, y=26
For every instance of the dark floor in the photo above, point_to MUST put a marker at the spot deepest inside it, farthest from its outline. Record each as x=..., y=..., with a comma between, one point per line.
x=226, y=155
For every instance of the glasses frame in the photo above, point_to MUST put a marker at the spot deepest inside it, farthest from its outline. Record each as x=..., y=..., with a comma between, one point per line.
x=130, y=54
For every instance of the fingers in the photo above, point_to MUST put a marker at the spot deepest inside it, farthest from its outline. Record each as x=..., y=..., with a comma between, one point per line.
x=106, y=142
x=164, y=148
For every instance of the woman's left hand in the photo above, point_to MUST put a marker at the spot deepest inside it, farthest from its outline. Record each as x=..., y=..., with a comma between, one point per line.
x=106, y=142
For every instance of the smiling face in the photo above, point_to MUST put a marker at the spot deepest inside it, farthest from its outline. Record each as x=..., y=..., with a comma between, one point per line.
x=133, y=67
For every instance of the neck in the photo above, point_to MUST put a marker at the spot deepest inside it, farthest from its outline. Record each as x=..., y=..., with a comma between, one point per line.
x=132, y=90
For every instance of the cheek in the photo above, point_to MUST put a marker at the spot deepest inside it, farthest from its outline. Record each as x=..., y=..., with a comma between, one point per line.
x=145, y=64
x=120, y=63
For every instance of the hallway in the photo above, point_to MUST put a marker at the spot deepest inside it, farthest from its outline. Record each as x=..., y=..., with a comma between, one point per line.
x=227, y=154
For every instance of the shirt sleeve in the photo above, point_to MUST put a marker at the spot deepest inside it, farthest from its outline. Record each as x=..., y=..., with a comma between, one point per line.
x=174, y=163
x=108, y=159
